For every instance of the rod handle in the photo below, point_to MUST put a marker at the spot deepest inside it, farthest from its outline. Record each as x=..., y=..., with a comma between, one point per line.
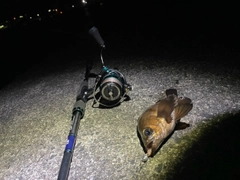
x=95, y=33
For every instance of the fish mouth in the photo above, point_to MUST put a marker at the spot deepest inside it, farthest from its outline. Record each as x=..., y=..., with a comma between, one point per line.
x=149, y=148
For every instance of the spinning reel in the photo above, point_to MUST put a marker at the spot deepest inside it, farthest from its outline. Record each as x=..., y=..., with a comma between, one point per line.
x=111, y=87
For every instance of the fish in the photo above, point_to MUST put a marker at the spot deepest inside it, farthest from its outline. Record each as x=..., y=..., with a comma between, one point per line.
x=160, y=120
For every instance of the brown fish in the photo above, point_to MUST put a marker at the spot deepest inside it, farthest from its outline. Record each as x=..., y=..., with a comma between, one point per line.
x=160, y=120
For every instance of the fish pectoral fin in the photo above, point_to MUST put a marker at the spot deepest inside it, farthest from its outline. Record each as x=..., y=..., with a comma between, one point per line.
x=166, y=107
x=184, y=106
x=169, y=119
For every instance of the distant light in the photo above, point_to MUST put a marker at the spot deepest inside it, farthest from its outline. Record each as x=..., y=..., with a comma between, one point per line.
x=14, y=18
x=72, y=6
x=49, y=10
x=38, y=15
x=60, y=12
x=30, y=17
x=56, y=10
x=1, y=26
x=84, y=1
x=20, y=17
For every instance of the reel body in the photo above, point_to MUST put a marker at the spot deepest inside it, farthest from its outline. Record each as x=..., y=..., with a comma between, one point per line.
x=110, y=88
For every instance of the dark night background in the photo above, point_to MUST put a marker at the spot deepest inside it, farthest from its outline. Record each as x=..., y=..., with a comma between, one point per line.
x=197, y=26
x=193, y=29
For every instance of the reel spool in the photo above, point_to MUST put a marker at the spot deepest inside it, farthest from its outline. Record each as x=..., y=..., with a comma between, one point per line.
x=110, y=88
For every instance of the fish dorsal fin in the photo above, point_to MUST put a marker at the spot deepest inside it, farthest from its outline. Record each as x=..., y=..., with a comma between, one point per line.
x=184, y=106
x=166, y=107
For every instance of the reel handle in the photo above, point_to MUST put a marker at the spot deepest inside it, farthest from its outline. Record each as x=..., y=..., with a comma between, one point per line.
x=95, y=33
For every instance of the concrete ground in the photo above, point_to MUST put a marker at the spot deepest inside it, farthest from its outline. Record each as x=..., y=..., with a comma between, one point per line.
x=36, y=109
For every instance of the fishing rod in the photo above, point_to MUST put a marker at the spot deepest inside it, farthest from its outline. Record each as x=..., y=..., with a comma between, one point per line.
x=109, y=91
x=77, y=115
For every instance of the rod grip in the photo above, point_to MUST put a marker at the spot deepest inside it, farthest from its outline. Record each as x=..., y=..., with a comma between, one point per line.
x=82, y=93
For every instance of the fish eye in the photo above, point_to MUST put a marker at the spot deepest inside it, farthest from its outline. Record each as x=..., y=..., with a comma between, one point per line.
x=148, y=131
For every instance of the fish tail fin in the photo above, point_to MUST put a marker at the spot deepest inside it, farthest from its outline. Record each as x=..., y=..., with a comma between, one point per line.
x=171, y=91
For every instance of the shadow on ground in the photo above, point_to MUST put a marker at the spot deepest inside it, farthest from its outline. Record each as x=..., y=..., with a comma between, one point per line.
x=212, y=153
